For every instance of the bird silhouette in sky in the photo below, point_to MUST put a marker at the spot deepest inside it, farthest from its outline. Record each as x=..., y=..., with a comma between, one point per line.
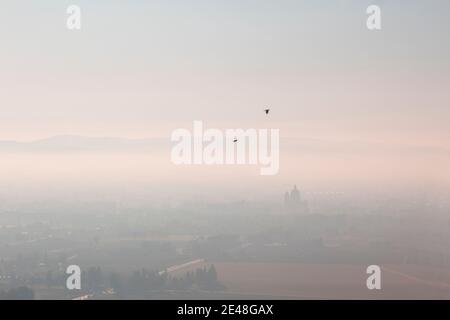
x=266, y=111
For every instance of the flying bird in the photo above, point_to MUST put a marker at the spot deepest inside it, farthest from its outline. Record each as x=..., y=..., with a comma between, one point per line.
x=266, y=111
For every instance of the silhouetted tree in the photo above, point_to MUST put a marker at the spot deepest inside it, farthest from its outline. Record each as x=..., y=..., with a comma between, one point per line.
x=116, y=282
x=20, y=293
x=94, y=278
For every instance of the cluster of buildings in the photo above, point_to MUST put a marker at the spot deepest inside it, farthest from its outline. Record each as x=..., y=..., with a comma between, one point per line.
x=294, y=203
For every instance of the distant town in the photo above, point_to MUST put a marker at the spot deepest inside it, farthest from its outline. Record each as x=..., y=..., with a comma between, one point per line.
x=302, y=248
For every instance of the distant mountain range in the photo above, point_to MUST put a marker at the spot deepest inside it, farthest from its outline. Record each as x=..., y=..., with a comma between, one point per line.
x=73, y=143
x=82, y=144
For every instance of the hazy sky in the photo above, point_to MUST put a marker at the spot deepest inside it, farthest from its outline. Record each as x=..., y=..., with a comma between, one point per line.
x=144, y=68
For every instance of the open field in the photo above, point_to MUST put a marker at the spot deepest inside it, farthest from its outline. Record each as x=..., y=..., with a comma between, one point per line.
x=321, y=281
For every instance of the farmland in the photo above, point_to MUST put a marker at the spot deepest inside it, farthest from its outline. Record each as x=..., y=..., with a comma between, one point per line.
x=330, y=281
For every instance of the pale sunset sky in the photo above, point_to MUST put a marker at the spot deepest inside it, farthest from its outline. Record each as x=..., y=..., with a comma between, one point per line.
x=140, y=69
